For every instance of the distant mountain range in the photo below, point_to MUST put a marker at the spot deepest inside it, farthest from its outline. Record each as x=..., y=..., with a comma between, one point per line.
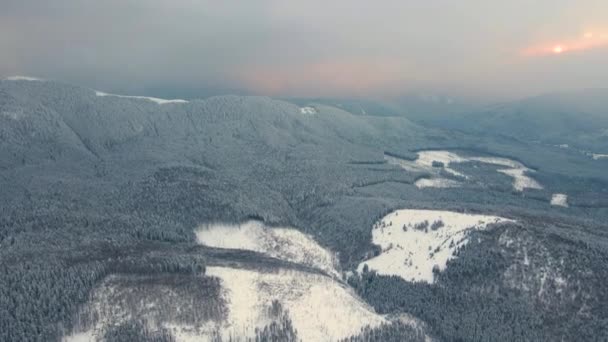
x=577, y=119
x=573, y=119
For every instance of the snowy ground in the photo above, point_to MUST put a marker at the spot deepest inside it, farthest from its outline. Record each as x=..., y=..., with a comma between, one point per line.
x=282, y=243
x=320, y=308
x=560, y=200
x=308, y=110
x=153, y=99
x=426, y=159
x=87, y=336
x=436, y=183
x=520, y=180
x=411, y=253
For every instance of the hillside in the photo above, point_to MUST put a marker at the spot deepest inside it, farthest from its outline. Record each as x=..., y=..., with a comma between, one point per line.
x=104, y=201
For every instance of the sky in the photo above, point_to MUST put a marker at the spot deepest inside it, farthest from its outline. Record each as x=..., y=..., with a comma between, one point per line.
x=492, y=49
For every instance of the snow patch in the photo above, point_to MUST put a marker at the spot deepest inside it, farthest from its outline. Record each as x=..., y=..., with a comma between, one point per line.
x=426, y=159
x=153, y=99
x=436, y=183
x=308, y=110
x=520, y=180
x=283, y=243
x=414, y=242
x=560, y=200
x=436, y=161
x=515, y=169
x=22, y=78
x=320, y=308
x=87, y=336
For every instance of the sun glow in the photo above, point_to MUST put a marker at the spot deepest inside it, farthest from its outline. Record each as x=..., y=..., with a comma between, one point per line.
x=558, y=49
x=589, y=40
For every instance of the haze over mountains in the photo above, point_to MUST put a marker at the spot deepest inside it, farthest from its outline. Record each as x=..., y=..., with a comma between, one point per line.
x=578, y=119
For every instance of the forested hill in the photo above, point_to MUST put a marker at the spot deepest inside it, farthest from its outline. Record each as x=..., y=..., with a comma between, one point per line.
x=95, y=185
x=59, y=117
x=576, y=119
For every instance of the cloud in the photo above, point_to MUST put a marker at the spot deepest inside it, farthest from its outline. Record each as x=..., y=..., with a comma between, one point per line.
x=277, y=47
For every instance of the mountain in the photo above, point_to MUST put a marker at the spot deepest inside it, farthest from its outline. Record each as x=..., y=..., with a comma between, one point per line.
x=577, y=119
x=128, y=218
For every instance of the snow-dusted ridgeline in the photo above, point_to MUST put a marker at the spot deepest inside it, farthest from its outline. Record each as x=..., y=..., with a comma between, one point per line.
x=23, y=78
x=153, y=99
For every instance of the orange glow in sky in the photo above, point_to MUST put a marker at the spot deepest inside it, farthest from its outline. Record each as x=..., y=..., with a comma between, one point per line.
x=558, y=49
x=587, y=41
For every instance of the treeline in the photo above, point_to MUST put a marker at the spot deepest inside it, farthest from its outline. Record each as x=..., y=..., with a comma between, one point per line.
x=40, y=299
x=389, y=332
x=136, y=331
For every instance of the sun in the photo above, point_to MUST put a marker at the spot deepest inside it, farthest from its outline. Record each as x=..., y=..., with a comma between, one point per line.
x=558, y=49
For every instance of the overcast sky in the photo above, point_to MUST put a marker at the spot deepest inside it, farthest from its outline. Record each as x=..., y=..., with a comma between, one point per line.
x=477, y=48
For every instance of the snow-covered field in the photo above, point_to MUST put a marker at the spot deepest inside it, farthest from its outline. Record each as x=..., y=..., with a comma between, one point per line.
x=153, y=99
x=520, y=180
x=411, y=248
x=560, y=200
x=321, y=309
x=426, y=159
x=283, y=243
x=443, y=160
x=436, y=183
x=308, y=110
